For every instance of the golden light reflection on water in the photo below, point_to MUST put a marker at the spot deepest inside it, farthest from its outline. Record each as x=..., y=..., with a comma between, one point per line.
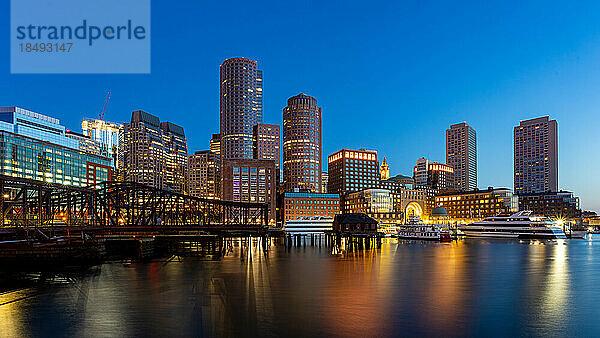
x=11, y=315
x=445, y=292
x=557, y=284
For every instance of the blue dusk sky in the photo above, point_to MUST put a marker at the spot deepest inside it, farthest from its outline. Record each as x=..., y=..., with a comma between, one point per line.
x=390, y=76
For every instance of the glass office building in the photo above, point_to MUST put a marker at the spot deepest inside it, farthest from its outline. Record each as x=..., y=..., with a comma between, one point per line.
x=36, y=146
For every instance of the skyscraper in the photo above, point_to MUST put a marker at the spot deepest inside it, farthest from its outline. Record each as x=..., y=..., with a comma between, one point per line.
x=302, y=161
x=461, y=155
x=241, y=106
x=153, y=153
x=536, y=156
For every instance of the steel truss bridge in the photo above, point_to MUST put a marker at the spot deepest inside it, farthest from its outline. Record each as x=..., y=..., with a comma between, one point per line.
x=30, y=203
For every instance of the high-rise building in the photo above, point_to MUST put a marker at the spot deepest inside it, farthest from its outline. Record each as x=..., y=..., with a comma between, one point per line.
x=266, y=143
x=302, y=152
x=433, y=175
x=204, y=179
x=37, y=147
x=106, y=133
x=241, y=106
x=384, y=170
x=461, y=155
x=153, y=153
x=250, y=180
x=536, y=156
x=352, y=170
x=215, y=144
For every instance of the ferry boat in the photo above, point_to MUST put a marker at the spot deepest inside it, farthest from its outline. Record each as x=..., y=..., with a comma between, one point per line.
x=309, y=225
x=519, y=225
x=416, y=229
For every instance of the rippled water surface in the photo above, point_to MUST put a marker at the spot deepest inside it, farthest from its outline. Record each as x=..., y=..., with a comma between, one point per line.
x=469, y=287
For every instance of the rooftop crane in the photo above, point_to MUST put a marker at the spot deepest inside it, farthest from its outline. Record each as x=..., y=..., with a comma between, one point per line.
x=101, y=115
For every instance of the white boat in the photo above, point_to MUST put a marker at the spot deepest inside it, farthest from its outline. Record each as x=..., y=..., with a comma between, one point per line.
x=416, y=229
x=519, y=225
x=309, y=225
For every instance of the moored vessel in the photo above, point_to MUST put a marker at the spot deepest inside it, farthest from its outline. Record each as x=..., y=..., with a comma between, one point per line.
x=523, y=225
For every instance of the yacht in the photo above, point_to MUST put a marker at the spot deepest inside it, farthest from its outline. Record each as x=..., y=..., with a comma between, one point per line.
x=309, y=225
x=414, y=228
x=519, y=225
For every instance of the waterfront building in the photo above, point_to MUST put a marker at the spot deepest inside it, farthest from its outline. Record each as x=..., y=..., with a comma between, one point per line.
x=397, y=183
x=297, y=205
x=353, y=170
x=266, y=143
x=153, y=152
x=250, y=180
x=536, y=156
x=433, y=175
x=413, y=202
x=37, y=147
x=468, y=206
x=106, y=134
x=556, y=205
x=376, y=203
x=241, y=106
x=461, y=155
x=324, y=181
x=384, y=170
x=215, y=144
x=204, y=179
x=351, y=223
x=302, y=154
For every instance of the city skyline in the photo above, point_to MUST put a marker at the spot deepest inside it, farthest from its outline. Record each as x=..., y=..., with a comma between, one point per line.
x=410, y=121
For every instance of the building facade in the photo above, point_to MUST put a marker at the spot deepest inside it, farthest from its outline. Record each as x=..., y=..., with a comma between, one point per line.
x=536, y=156
x=353, y=170
x=296, y=205
x=556, y=205
x=433, y=175
x=384, y=170
x=379, y=204
x=38, y=147
x=266, y=143
x=204, y=176
x=302, y=154
x=397, y=183
x=215, y=144
x=106, y=134
x=241, y=106
x=478, y=204
x=153, y=152
x=250, y=180
x=461, y=155
x=324, y=181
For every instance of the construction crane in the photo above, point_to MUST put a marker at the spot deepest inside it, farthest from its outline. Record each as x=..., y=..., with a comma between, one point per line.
x=101, y=115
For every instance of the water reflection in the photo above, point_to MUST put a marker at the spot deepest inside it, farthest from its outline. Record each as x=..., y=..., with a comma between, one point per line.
x=471, y=287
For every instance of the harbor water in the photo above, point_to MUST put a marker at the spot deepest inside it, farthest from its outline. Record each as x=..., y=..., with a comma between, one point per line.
x=470, y=287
